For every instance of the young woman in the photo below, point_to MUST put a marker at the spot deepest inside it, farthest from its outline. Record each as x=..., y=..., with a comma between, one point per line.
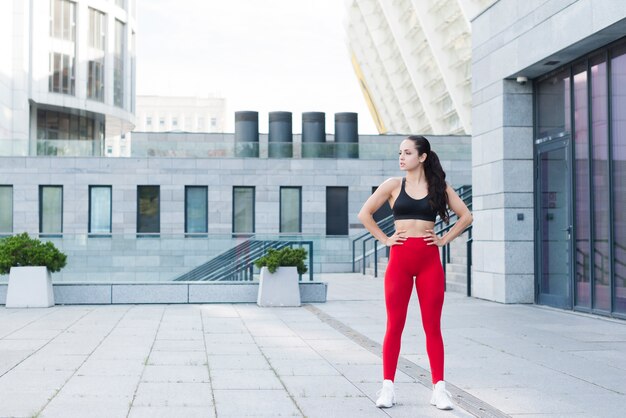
x=414, y=258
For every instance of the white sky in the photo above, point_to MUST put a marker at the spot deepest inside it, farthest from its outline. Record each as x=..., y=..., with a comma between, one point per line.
x=262, y=55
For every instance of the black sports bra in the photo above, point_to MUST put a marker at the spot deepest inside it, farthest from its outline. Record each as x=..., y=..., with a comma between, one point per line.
x=405, y=207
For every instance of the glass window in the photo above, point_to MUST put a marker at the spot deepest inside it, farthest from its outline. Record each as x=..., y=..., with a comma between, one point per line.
x=582, y=202
x=553, y=98
x=95, y=64
x=600, y=178
x=384, y=211
x=174, y=123
x=618, y=149
x=213, y=122
x=100, y=209
x=50, y=209
x=148, y=209
x=63, y=20
x=243, y=209
x=336, y=211
x=290, y=209
x=148, y=121
x=6, y=209
x=196, y=209
x=118, y=67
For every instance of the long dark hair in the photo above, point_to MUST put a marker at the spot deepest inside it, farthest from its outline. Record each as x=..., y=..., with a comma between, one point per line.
x=435, y=176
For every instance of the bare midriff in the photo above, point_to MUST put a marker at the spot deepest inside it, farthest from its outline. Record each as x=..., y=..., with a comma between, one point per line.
x=413, y=227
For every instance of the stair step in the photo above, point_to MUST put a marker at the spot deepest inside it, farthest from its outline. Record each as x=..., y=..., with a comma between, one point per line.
x=456, y=268
x=456, y=288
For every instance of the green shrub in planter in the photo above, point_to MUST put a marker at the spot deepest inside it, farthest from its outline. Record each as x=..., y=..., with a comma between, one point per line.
x=286, y=257
x=22, y=250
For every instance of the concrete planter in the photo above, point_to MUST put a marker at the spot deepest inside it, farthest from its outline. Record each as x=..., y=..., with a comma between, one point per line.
x=29, y=287
x=280, y=288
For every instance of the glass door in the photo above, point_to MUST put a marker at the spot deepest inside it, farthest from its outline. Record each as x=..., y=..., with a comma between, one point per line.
x=554, y=225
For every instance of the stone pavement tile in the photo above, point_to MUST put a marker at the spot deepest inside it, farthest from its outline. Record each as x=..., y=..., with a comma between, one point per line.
x=345, y=407
x=23, y=404
x=291, y=353
x=372, y=373
x=321, y=332
x=291, y=367
x=9, y=359
x=21, y=344
x=123, y=352
x=607, y=405
x=244, y=379
x=224, y=325
x=95, y=367
x=351, y=357
x=243, y=403
x=238, y=362
x=33, y=381
x=339, y=344
x=33, y=333
x=184, y=345
x=218, y=311
x=86, y=406
x=216, y=348
x=269, y=328
x=175, y=374
x=525, y=400
x=180, y=335
x=53, y=362
x=173, y=394
x=171, y=412
x=321, y=386
x=228, y=339
x=280, y=342
x=101, y=386
x=183, y=358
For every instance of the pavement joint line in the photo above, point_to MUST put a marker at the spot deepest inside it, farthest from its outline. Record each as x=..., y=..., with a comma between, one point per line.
x=27, y=324
x=86, y=358
x=156, y=332
x=466, y=401
x=270, y=363
x=208, y=366
x=52, y=339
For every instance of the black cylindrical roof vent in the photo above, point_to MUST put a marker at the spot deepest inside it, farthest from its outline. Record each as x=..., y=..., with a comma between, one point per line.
x=247, y=134
x=347, y=135
x=314, y=136
x=280, y=135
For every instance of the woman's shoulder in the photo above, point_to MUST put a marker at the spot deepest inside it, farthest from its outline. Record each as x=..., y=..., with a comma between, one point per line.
x=392, y=182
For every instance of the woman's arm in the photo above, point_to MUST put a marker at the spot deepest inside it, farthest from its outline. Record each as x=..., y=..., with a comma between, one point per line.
x=375, y=201
x=465, y=219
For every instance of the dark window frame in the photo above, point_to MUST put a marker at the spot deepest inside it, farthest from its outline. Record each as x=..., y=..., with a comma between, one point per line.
x=46, y=234
x=206, y=213
x=253, y=210
x=280, y=209
x=100, y=234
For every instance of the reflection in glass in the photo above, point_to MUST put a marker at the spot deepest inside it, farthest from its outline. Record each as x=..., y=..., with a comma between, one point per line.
x=581, y=154
x=196, y=209
x=148, y=209
x=99, y=209
x=618, y=147
x=50, y=209
x=601, y=203
x=553, y=98
x=6, y=209
x=290, y=209
x=336, y=211
x=243, y=209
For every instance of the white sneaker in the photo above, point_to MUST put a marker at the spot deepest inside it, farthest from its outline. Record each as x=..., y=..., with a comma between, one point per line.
x=441, y=397
x=386, y=396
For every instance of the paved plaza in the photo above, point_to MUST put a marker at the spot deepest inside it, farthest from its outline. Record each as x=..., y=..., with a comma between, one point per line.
x=320, y=360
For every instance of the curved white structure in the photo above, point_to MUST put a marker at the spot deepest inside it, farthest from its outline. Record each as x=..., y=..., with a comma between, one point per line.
x=413, y=60
x=67, y=75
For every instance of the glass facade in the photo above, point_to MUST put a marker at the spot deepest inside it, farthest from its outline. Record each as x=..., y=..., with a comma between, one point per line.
x=60, y=133
x=100, y=209
x=96, y=52
x=118, y=64
x=243, y=209
x=290, y=209
x=50, y=210
x=586, y=101
x=6, y=209
x=148, y=210
x=62, y=73
x=196, y=210
x=336, y=211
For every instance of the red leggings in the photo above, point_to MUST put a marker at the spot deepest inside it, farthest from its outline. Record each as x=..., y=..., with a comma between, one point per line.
x=414, y=259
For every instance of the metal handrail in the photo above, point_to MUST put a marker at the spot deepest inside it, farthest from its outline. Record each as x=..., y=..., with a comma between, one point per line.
x=237, y=263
